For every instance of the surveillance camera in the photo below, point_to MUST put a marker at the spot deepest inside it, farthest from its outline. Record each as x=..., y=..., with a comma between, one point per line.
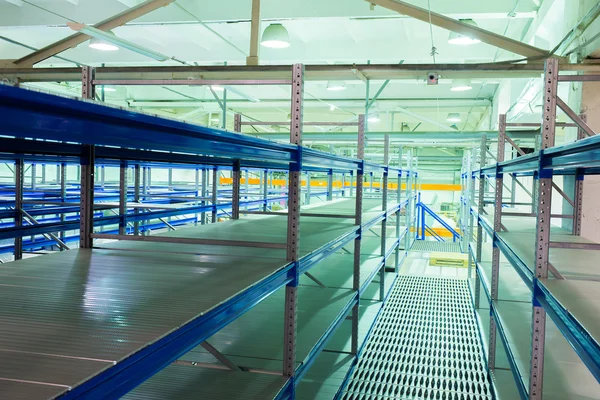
x=433, y=78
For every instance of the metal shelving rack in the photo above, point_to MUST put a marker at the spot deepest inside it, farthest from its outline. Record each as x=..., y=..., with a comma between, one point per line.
x=38, y=126
x=534, y=268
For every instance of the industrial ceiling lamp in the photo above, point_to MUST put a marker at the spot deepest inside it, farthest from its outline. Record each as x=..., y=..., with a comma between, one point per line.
x=453, y=117
x=103, y=45
x=461, y=85
x=373, y=117
x=336, y=86
x=275, y=36
x=217, y=88
x=457, y=38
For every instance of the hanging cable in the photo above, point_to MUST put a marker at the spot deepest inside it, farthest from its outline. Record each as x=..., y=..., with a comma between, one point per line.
x=434, y=51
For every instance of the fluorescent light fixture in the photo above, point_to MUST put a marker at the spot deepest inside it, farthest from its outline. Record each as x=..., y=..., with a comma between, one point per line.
x=332, y=108
x=108, y=88
x=461, y=85
x=336, y=86
x=217, y=88
x=275, y=36
x=102, y=45
x=373, y=117
x=453, y=117
x=114, y=40
x=463, y=40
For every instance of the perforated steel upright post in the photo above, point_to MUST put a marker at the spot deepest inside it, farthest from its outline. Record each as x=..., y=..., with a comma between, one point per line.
x=578, y=189
x=203, y=194
x=19, y=182
x=265, y=189
x=408, y=213
x=398, y=201
x=496, y=250
x=542, y=248
x=293, y=223
x=215, y=191
x=62, y=172
x=360, y=179
x=235, y=193
x=86, y=170
x=136, y=196
x=123, y=198
x=480, y=204
x=308, y=188
x=330, y=185
x=470, y=204
x=236, y=174
x=384, y=207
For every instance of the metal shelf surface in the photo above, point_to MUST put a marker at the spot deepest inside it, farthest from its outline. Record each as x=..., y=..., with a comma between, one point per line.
x=74, y=313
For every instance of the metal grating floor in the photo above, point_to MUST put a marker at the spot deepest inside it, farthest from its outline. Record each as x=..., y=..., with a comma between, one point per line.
x=435, y=246
x=424, y=345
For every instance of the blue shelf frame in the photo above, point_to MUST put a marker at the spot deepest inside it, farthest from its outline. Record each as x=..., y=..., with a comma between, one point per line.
x=65, y=129
x=578, y=159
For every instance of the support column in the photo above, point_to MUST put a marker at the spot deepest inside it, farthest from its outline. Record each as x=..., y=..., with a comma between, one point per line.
x=293, y=224
x=86, y=208
x=136, y=197
x=246, y=188
x=578, y=190
x=265, y=189
x=63, y=195
x=343, y=184
x=496, y=250
x=170, y=179
x=204, y=194
x=358, y=221
x=542, y=249
x=480, y=204
x=19, y=183
x=235, y=192
x=215, y=191
x=85, y=170
x=398, y=201
x=308, y=188
x=330, y=185
x=196, y=192
x=123, y=186
x=384, y=207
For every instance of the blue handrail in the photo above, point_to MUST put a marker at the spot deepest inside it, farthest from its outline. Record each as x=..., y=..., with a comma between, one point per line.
x=423, y=209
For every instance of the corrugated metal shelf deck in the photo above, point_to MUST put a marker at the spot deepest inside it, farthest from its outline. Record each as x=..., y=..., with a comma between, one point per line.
x=566, y=374
x=103, y=304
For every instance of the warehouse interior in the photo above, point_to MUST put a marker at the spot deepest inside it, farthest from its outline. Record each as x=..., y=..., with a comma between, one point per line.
x=258, y=199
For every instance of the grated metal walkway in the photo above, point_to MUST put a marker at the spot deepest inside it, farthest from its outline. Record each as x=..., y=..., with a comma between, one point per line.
x=435, y=246
x=425, y=345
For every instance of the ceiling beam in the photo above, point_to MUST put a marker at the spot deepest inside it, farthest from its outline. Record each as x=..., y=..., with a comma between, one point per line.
x=16, y=2
x=71, y=41
x=453, y=25
x=312, y=72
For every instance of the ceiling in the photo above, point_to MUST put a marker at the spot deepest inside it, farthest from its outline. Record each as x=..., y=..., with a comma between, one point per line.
x=321, y=32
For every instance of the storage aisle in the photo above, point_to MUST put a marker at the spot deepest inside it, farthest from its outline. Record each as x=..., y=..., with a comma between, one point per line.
x=425, y=345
